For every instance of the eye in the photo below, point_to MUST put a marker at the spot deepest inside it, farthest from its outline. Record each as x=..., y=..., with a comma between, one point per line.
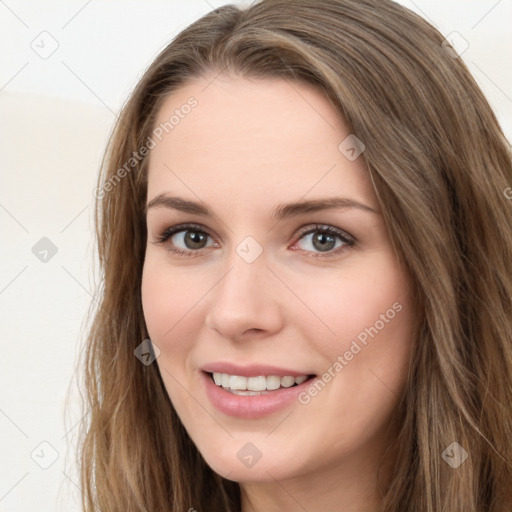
x=328, y=240
x=190, y=236
x=321, y=240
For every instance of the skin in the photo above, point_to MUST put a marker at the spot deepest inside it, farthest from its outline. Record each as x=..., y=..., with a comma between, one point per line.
x=246, y=147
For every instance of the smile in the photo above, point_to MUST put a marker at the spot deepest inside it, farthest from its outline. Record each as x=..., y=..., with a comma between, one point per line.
x=255, y=396
x=253, y=386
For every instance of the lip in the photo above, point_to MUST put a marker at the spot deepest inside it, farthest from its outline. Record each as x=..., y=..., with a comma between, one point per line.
x=251, y=407
x=253, y=370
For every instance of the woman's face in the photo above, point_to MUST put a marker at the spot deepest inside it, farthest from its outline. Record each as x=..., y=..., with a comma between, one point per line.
x=283, y=271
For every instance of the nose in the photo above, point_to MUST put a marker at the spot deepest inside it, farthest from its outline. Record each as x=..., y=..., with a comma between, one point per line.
x=246, y=301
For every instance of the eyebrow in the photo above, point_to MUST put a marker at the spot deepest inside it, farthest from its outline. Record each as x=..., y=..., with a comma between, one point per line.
x=281, y=212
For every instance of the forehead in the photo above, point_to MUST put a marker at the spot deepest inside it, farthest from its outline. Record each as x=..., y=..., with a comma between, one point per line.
x=253, y=139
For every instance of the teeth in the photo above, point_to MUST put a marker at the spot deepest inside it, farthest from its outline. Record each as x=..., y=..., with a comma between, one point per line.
x=273, y=382
x=287, y=382
x=248, y=393
x=255, y=385
x=236, y=382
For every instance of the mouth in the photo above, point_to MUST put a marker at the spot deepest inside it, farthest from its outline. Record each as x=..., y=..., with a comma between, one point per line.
x=256, y=385
x=259, y=395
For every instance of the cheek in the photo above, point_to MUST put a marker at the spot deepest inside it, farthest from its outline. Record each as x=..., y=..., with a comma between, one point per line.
x=347, y=304
x=168, y=305
x=366, y=363
x=366, y=349
x=373, y=346
x=168, y=302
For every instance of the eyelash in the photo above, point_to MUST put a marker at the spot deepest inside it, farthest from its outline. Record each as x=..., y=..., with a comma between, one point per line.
x=347, y=240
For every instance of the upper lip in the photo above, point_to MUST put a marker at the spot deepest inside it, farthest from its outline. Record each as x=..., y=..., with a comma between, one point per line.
x=252, y=370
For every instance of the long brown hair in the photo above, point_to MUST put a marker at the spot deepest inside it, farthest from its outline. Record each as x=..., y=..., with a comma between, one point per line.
x=440, y=165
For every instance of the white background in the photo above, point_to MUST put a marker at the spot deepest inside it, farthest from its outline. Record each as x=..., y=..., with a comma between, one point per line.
x=55, y=116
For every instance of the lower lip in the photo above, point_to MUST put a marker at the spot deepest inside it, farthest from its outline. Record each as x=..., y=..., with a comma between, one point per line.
x=254, y=406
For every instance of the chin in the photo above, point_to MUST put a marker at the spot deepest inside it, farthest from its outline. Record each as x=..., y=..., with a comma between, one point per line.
x=242, y=461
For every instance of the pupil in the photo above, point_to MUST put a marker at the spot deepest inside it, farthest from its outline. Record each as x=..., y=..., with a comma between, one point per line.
x=325, y=242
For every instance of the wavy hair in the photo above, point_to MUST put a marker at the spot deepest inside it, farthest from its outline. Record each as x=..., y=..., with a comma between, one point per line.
x=440, y=166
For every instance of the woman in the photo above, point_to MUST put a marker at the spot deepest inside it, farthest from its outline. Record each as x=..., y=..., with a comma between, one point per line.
x=303, y=207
